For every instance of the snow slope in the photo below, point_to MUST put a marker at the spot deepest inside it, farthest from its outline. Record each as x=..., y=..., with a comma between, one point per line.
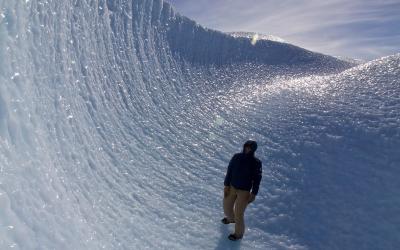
x=333, y=149
x=118, y=118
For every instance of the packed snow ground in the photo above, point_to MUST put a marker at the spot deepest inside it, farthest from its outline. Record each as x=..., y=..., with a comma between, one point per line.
x=118, y=119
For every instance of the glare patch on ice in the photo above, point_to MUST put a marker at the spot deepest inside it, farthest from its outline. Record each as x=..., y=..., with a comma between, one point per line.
x=251, y=35
x=219, y=121
x=15, y=75
x=254, y=39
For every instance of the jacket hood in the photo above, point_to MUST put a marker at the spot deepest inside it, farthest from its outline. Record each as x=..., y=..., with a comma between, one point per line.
x=252, y=144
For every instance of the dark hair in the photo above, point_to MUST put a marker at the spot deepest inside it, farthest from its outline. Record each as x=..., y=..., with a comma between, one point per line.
x=252, y=144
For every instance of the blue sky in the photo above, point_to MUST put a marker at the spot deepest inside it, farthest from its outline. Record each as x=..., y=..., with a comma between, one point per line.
x=363, y=29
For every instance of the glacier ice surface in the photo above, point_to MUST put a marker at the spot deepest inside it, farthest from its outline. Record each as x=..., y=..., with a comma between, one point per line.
x=118, y=118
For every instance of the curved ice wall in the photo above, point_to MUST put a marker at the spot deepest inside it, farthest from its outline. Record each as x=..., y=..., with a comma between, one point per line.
x=117, y=119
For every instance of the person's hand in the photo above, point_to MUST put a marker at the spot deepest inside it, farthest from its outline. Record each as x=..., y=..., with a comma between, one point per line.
x=252, y=198
x=226, y=191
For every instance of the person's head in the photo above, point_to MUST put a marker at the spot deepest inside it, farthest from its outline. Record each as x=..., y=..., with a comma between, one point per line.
x=250, y=147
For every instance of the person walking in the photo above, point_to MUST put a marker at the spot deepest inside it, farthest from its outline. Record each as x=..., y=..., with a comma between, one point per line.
x=241, y=186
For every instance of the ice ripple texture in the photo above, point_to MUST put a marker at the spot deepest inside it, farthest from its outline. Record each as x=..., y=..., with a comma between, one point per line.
x=118, y=118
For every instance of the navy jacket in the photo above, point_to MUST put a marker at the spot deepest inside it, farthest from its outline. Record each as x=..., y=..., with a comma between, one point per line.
x=244, y=172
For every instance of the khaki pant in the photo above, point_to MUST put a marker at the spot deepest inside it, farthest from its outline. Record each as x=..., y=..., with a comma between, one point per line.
x=235, y=202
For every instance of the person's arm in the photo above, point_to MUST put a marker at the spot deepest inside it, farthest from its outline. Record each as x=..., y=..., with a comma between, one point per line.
x=228, y=176
x=257, y=175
